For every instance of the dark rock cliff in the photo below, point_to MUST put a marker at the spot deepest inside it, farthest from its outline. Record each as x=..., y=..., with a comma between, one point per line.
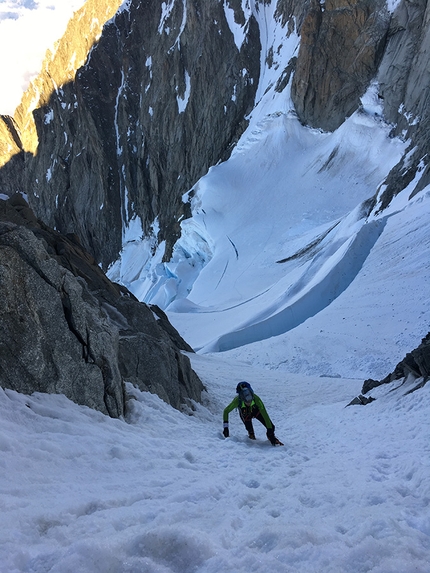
x=404, y=79
x=342, y=43
x=65, y=328
x=347, y=43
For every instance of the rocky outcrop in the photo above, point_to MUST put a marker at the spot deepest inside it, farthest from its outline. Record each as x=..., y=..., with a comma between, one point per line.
x=58, y=68
x=10, y=142
x=342, y=43
x=361, y=400
x=65, y=328
x=19, y=140
x=413, y=373
x=415, y=364
x=404, y=80
x=161, y=98
x=292, y=13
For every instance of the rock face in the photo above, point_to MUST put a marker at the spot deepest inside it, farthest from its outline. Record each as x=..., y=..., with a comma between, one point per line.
x=342, y=43
x=65, y=328
x=404, y=79
x=415, y=364
x=60, y=65
x=18, y=134
x=347, y=43
x=164, y=93
x=10, y=142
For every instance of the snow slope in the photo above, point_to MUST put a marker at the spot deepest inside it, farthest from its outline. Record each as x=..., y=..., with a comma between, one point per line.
x=284, y=241
x=382, y=314
x=164, y=492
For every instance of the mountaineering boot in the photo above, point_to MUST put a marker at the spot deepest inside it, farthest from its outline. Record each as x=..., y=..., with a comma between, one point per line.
x=251, y=436
x=272, y=438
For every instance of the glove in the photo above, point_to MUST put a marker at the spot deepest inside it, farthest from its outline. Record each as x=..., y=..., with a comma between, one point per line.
x=225, y=431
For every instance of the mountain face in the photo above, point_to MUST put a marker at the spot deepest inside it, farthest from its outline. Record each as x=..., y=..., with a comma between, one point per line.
x=404, y=79
x=163, y=96
x=341, y=46
x=346, y=44
x=166, y=90
x=19, y=134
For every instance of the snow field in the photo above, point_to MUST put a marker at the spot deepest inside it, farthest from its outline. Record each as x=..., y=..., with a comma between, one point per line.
x=164, y=492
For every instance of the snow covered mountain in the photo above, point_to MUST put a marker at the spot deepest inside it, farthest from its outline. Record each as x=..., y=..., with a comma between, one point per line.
x=240, y=163
x=286, y=236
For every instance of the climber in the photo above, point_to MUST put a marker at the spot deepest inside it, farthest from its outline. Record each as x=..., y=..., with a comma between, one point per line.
x=250, y=406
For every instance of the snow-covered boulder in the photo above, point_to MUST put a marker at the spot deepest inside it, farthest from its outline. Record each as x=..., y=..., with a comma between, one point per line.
x=415, y=367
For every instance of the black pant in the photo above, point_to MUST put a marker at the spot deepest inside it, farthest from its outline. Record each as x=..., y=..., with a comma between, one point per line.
x=247, y=414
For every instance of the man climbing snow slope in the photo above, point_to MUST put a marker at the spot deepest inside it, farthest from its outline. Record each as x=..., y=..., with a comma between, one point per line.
x=250, y=406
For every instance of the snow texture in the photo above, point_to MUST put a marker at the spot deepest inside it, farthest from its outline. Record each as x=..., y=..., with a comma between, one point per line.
x=164, y=492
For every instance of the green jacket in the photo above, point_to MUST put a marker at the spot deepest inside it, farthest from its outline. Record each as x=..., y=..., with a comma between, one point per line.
x=257, y=401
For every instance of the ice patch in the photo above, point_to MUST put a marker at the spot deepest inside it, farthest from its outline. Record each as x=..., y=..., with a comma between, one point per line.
x=48, y=117
x=392, y=5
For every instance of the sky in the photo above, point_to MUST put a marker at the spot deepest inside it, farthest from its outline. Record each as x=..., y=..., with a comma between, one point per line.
x=27, y=29
x=163, y=491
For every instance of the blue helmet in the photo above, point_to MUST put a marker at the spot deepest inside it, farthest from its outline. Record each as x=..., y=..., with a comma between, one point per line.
x=243, y=385
x=246, y=394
